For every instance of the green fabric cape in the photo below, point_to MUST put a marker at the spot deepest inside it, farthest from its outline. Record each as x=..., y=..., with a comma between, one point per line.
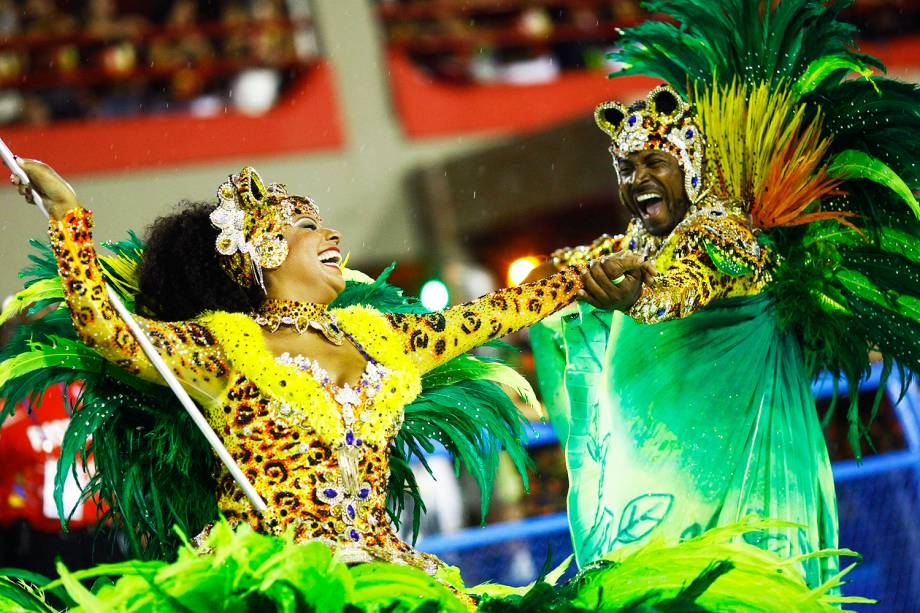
x=685, y=425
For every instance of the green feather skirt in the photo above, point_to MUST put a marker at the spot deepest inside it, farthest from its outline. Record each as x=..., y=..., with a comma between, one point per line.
x=246, y=571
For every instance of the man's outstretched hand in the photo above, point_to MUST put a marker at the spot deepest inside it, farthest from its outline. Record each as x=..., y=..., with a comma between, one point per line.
x=614, y=282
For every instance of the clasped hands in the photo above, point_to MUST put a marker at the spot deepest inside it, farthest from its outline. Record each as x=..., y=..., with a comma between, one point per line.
x=614, y=282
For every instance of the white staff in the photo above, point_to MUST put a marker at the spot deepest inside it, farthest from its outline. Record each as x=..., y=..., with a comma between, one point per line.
x=10, y=160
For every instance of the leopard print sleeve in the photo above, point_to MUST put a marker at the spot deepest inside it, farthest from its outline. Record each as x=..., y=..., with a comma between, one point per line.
x=188, y=347
x=585, y=254
x=711, y=256
x=689, y=284
x=435, y=338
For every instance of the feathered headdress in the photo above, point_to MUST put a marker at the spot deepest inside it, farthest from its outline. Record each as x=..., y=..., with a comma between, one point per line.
x=824, y=163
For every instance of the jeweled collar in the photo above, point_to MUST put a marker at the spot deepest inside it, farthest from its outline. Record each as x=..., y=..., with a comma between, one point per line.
x=639, y=240
x=302, y=316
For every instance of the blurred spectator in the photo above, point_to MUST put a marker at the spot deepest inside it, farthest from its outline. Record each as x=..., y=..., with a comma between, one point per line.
x=626, y=11
x=118, y=52
x=116, y=55
x=256, y=89
x=440, y=490
x=182, y=49
x=11, y=60
x=46, y=22
x=104, y=21
x=235, y=17
x=272, y=43
x=12, y=64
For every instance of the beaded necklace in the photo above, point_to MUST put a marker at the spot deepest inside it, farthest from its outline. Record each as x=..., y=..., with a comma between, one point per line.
x=302, y=316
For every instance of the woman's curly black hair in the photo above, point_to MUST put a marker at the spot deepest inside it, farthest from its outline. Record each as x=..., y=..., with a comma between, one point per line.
x=180, y=276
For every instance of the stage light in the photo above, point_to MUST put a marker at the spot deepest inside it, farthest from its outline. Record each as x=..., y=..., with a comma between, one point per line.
x=434, y=295
x=520, y=268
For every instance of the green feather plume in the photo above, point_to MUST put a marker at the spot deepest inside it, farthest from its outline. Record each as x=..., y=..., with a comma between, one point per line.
x=843, y=289
x=751, y=39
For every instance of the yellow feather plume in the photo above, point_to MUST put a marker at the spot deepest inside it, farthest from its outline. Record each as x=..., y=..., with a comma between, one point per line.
x=763, y=151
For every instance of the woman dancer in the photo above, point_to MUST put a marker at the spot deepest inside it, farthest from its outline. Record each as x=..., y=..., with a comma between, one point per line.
x=306, y=398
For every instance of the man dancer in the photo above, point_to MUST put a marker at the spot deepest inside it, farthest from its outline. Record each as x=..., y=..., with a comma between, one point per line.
x=689, y=409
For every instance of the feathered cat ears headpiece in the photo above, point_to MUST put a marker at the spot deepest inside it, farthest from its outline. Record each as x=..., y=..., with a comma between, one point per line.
x=662, y=121
x=251, y=218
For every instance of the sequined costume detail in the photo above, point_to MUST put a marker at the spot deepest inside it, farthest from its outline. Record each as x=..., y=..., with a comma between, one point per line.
x=251, y=216
x=189, y=348
x=712, y=254
x=318, y=454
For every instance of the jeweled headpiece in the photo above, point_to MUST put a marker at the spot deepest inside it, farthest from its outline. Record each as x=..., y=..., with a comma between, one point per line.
x=251, y=218
x=662, y=121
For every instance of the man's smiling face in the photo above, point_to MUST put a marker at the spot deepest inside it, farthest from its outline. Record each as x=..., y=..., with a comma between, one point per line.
x=652, y=189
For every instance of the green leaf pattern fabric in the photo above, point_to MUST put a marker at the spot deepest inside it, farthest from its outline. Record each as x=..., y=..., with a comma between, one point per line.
x=681, y=426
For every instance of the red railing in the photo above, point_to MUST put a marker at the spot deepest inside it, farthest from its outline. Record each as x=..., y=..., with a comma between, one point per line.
x=431, y=61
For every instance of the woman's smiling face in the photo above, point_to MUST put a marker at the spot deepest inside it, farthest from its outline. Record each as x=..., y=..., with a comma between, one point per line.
x=311, y=271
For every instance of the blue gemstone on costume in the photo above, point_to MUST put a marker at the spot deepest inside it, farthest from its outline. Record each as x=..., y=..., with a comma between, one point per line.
x=364, y=493
x=330, y=493
x=350, y=437
x=351, y=511
x=632, y=244
x=359, y=442
x=661, y=312
x=695, y=181
x=632, y=120
x=689, y=133
x=354, y=535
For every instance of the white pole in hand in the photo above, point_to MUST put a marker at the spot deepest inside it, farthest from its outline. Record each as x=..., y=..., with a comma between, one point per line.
x=10, y=160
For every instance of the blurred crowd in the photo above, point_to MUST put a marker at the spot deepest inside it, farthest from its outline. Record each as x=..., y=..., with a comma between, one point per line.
x=106, y=58
x=70, y=59
x=515, y=42
x=533, y=41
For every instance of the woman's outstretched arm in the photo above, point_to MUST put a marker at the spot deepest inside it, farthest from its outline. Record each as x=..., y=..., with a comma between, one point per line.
x=435, y=338
x=188, y=348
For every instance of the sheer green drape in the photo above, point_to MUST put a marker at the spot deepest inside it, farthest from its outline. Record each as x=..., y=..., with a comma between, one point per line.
x=686, y=425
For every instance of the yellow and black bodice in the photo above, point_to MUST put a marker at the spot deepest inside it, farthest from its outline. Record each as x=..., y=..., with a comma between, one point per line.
x=318, y=454
x=712, y=254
